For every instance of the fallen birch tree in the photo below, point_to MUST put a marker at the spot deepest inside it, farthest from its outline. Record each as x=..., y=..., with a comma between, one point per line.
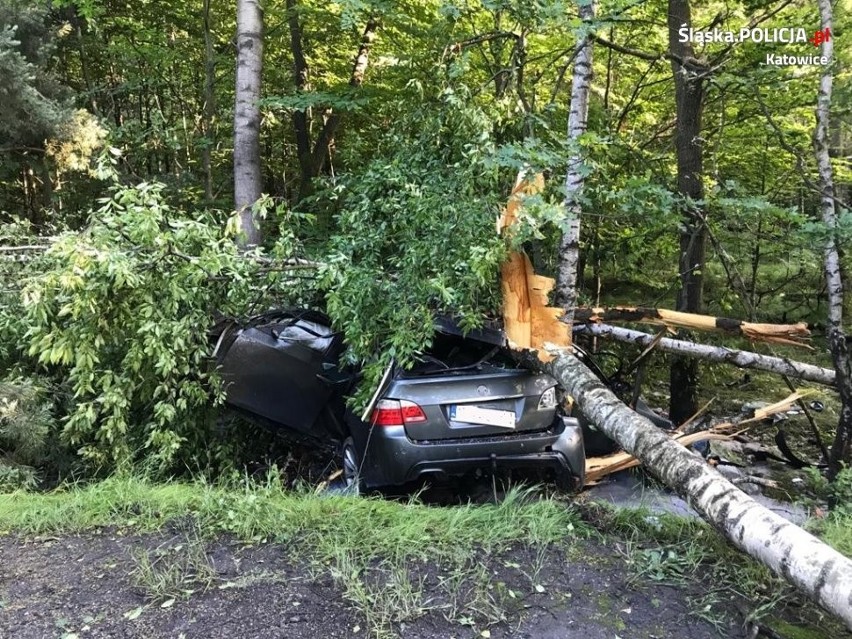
x=811, y=565
x=794, y=334
x=741, y=359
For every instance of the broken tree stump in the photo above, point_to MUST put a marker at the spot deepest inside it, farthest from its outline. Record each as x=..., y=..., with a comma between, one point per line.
x=527, y=319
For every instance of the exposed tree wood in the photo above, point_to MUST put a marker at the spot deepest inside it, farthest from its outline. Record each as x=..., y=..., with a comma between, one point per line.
x=524, y=185
x=738, y=358
x=811, y=565
x=599, y=467
x=759, y=481
x=841, y=448
x=794, y=334
x=772, y=409
x=247, y=175
x=569, y=246
x=527, y=319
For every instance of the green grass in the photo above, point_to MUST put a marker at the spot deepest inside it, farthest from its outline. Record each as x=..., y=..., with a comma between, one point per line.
x=371, y=548
x=836, y=530
x=672, y=550
x=175, y=568
x=267, y=510
x=790, y=631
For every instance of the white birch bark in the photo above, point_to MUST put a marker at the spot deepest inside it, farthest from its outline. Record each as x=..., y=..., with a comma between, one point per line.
x=837, y=343
x=812, y=566
x=741, y=359
x=247, y=175
x=569, y=247
x=821, y=150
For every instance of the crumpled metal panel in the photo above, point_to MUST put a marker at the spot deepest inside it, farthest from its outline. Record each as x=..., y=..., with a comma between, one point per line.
x=277, y=370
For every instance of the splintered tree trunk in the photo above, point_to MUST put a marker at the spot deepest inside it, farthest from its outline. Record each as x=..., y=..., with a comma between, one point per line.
x=840, y=449
x=812, y=566
x=689, y=98
x=741, y=359
x=247, y=175
x=794, y=334
x=569, y=247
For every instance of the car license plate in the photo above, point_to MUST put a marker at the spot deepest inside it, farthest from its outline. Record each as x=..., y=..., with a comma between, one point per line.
x=484, y=416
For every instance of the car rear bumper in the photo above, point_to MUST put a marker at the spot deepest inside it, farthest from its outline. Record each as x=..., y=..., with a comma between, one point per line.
x=391, y=458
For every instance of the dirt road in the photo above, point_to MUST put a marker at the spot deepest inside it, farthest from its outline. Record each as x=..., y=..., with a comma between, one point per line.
x=89, y=586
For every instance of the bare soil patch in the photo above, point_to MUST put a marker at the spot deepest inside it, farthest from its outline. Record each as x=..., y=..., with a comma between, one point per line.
x=83, y=585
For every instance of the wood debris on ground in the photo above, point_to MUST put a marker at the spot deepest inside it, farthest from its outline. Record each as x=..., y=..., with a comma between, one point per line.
x=599, y=467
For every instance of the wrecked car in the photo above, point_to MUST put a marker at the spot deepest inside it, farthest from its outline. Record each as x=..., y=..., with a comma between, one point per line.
x=465, y=406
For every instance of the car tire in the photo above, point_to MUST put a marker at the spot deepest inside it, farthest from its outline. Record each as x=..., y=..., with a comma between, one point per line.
x=350, y=461
x=566, y=482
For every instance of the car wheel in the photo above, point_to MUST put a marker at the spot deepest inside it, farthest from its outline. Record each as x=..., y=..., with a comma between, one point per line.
x=566, y=482
x=351, y=461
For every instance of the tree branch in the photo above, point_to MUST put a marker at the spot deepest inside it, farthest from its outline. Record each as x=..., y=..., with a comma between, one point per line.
x=643, y=55
x=721, y=354
x=796, y=153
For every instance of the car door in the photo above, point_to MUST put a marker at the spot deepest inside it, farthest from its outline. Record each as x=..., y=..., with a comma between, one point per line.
x=278, y=369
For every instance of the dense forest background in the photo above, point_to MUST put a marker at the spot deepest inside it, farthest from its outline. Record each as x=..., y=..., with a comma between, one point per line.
x=389, y=136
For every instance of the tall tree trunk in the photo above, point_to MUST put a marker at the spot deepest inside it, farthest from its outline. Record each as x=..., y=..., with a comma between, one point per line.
x=840, y=449
x=301, y=118
x=325, y=138
x=209, y=109
x=795, y=555
x=312, y=159
x=75, y=20
x=569, y=246
x=46, y=187
x=247, y=174
x=689, y=103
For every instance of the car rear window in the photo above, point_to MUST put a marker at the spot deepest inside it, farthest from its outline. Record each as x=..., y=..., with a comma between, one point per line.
x=454, y=354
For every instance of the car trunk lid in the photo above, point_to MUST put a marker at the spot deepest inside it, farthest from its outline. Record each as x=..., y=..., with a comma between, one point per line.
x=486, y=402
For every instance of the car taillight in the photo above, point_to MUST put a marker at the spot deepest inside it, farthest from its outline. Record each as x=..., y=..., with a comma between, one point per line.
x=392, y=412
x=387, y=413
x=411, y=412
x=548, y=399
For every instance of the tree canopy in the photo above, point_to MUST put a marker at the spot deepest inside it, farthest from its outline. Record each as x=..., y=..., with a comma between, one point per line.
x=390, y=134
